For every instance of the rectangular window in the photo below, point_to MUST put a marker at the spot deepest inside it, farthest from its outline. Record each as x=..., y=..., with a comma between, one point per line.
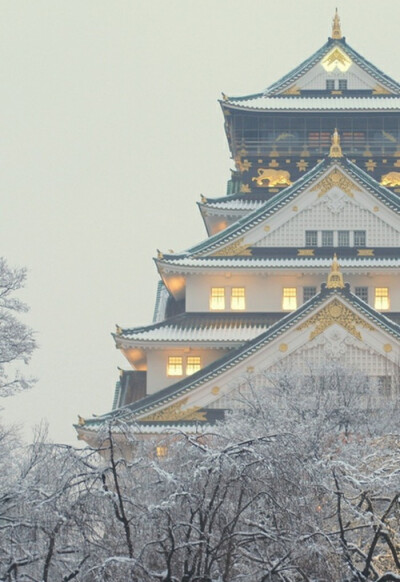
x=289, y=299
x=238, y=300
x=175, y=366
x=381, y=298
x=342, y=84
x=384, y=385
x=327, y=238
x=161, y=451
x=311, y=238
x=362, y=293
x=360, y=238
x=193, y=364
x=309, y=292
x=330, y=84
x=343, y=238
x=217, y=299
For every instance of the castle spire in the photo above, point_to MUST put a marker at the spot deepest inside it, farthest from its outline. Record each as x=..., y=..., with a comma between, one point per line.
x=336, y=30
x=336, y=150
x=335, y=277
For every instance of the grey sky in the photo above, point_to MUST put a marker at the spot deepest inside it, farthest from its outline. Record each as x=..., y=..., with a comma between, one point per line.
x=110, y=131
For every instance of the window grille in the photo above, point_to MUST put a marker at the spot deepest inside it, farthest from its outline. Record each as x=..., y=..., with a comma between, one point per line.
x=309, y=292
x=238, y=299
x=381, y=298
x=311, y=238
x=289, y=299
x=330, y=84
x=360, y=238
x=217, y=299
x=193, y=364
x=342, y=84
x=327, y=238
x=343, y=238
x=362, y=293
x=161, y=451
x=175, y=366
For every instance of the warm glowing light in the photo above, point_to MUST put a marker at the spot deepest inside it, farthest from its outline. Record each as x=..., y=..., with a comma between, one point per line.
x=381, y=298
x=175, y=366
x=238, y=300
x=161, y=451
x=217, y=299
x=193, y=364
x=289, y=299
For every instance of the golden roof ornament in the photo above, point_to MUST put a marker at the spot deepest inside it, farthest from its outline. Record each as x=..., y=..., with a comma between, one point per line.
x=336, y=29
x=335, y=277
x=336, y=150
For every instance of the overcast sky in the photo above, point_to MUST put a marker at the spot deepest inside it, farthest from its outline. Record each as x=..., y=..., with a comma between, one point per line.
x=110, y=131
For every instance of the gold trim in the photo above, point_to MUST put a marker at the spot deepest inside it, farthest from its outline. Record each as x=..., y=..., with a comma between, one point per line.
x=305, y=252
x=237, y=248
x=379, y=90
x=335, y=150
x=283, y=348
x=391, y=179
x=387, y=348
x=365, y=252
x=336, y=28
x=274, y=177
x=81, y=420
x=245, y=189
x=336, y=178
x=174, y=412
x=293, y=90
x=203, y=199
x=335, y=312
x=215, y=390
x=335, y=277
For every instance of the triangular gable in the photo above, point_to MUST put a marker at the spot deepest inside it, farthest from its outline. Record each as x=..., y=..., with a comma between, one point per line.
x=336, y=57
x=334, y=315
x=330, y=183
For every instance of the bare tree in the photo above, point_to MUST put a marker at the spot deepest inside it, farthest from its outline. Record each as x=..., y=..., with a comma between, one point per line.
x=16, y=338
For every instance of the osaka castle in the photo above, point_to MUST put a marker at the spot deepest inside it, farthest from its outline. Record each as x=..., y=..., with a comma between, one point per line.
x=300, y=264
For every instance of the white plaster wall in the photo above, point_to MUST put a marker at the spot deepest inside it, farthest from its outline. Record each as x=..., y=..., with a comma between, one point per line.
x=320, y=217
x=315, y=79
x=157, y=361
x=264, y=291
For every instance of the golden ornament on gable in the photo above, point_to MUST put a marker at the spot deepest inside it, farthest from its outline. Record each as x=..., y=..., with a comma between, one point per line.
x=335, y=312
x=336, y=178
x=237, y=248
x=175, y=412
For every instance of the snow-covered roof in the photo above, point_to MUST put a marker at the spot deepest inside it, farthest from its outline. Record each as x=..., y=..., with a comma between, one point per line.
x=323, y=103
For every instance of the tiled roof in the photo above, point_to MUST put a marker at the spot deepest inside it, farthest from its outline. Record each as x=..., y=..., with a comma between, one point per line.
x=231, y=359
x=209, y=327
x=323, y=103
x=299, y=262
x=242, y=203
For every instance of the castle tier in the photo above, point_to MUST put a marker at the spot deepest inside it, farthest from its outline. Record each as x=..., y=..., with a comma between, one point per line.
x=301, y=261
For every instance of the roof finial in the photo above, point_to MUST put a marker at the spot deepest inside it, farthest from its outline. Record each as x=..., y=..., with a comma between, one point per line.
x=336, y=30
x=335, y=277
x=336, y=150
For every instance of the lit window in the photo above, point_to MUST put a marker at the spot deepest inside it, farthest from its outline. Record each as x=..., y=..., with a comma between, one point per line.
x=311, y=238
x=161, y=451
x=360, y=238
x=381, y=298
x=327, y=238
x=238, y=298
x=330, y=84
x=308, y=292
x=362, y=293
x=342, y=84
x=289, y=300
x=193, y=364
x=217, y=299
x=343, y=238
x=175, y=366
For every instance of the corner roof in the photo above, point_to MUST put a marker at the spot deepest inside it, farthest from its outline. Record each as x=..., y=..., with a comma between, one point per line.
x=174, y=391
x=252, y=219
